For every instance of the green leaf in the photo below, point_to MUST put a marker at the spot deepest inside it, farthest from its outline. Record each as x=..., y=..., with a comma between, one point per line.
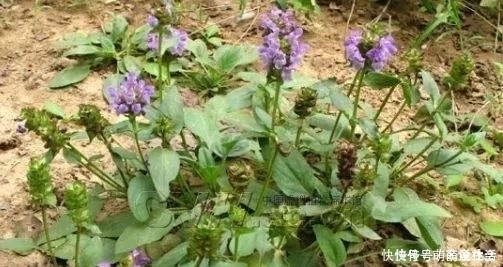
x=108, y=46
x=294, y=177
x=140, y=35
x=132, y=64
x=410, y=93
x=116, y=27
x=494, y=228
x=430, y=86
x=201, y=125
x=113, y=226
x=249, y=242
x=399, y=211
x=474, y=202
x=366, y=232
x=378, y=80
x=91, y=253
x=139, y=234
x=164, y=165
x=454, y=180
x=19, y=245
x=228, y=57
x=82, y=50
x=54, y=109
x=140, y=193
x=174, y=256
x=63, y=227
x=332, y=247
x=431, y=231
x=341, y=101
x=153, y=69
x=199, y=50
x=263, y=117
x=70, y=75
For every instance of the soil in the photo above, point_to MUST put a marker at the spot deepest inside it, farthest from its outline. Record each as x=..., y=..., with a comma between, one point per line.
x=28, y=60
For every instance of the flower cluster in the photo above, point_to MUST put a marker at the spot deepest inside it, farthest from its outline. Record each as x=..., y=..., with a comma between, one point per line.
x=281, y=50
x=132, y=95
x=160, y=22
x=376, y=53
x=177, y=37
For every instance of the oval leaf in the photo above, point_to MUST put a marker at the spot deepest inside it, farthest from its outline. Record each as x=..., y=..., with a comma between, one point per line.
x=332, y=247
x=493, y=228
x=70, y=75
x=377, y=80
x=19, y=245
x=164, y=165
x=139, y=194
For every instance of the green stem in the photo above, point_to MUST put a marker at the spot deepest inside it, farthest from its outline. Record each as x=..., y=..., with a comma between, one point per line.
x=299, y=131
x=355, y=107
x=394, y=117
x=134, y=123
x=384, y=102
x=275, y=106
x=361, y=257
x=95, y=169
x=419, y=155
x=47, y=237
x=77, y=247
x=351, y=88
x=108, y=144
x=267, y=180
x=430, y=168
x=433, y=113
x=236, y=255
x=159, y=67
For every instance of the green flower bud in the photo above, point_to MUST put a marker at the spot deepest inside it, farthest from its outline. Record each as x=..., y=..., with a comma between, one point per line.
x=45, y=125
x=365, y=176
x=76, y=202
x=40, y=183
x=237, y=215
x=306, y=101
x=285, y=221
x=91, y=118
x=414, y=57
x=458, y=75
x=381, y=147
x=206, y=239
x=240, y=173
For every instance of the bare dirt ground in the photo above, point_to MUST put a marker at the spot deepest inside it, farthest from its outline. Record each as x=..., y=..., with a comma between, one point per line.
x=28, y=61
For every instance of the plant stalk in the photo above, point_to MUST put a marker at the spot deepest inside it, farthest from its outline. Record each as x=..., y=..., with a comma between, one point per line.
x=430, y=168
x=134, y=123
x=47, y=237
x=299, y=131
x=159, y=67
x=355, y=107
x=384, y=102
x=77, y=247
x=395, y=117
x=267, y=180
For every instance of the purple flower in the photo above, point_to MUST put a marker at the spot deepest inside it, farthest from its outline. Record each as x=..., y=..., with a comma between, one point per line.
x=380, y=54
x=281, y=49
x=140, y=259
x=377, y=56
x=104, y=264
x=152, y=21
x=179, y=38
x=353, y=53
x=132, y=95
x=153, y=41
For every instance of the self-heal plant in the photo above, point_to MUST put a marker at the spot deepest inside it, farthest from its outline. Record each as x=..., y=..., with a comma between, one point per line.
x=42, y=193
x=76, y=201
